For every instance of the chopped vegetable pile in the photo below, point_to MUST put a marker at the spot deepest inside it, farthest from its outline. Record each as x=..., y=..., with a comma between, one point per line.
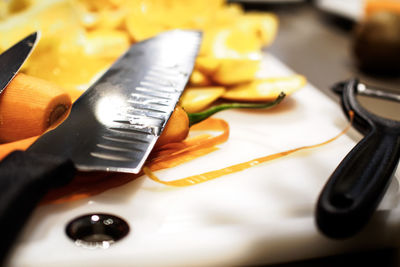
x=93, y=34
x=96, y=33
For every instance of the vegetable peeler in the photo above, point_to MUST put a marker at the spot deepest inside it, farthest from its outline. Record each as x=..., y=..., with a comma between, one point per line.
x=356, y=187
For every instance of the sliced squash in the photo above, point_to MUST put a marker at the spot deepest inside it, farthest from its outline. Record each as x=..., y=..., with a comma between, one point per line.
x=233, y=71
x=265, y=89
x=195, y=99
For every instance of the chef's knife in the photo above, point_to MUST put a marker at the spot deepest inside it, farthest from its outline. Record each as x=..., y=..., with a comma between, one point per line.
x=14, y=57
x=113, y=126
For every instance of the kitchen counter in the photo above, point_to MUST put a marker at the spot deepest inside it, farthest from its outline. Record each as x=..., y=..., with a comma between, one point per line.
x=318, y=45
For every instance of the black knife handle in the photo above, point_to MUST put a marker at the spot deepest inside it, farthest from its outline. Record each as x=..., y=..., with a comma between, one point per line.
x=356, y=187
x=25, y=177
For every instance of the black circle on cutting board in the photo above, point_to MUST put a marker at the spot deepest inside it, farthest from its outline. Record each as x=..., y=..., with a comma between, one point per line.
x=97, y=230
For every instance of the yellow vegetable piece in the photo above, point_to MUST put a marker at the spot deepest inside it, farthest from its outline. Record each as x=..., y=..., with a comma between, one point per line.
x=234, y=42
x=65, y=54
x=111, y=19
x=106, y=43
x=221, y=19
x=195, y=99
x=207, y=65
x=72, y=70
x=54, y=58
x=88, y=20
x=104, y=19
x=54, y=18
x=75, y=66
x=263, y=25
x=98, y=5
x=265, y=89
x=97, y=32
x=198, y=78
x=234, y=71
x=227, y=15
x=145, y=18
x=237, y=34
x=143, y=23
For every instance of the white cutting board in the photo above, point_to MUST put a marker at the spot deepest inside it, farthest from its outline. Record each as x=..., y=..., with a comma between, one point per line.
x=260, y=215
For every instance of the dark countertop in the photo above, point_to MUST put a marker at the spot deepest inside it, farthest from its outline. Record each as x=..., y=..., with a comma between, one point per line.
x=319, y=46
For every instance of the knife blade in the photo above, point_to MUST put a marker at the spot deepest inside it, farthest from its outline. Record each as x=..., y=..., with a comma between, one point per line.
x=113, y=126
x=14, y=57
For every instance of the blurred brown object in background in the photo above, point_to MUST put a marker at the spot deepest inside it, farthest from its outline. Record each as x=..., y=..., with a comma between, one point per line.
x=373, y=6
x=377, y=43
x=377, y=38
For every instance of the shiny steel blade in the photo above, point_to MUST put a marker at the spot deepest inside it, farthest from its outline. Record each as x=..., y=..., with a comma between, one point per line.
x=114, y=125
x=13, y=58
x=366, y=90
x=362, y=89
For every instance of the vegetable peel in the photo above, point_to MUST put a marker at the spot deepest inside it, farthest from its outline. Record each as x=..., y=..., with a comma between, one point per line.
x=211, y=175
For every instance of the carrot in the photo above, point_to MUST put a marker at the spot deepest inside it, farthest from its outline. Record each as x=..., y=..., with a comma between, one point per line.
x=29, y=106
x=177, y=128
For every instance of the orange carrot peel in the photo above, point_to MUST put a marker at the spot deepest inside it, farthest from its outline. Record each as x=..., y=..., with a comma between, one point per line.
x=207, y=176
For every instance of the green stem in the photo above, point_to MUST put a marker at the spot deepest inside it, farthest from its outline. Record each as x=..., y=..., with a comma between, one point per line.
x=200, y=116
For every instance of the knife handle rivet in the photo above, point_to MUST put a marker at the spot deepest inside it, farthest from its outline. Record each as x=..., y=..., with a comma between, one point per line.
x=97, y=230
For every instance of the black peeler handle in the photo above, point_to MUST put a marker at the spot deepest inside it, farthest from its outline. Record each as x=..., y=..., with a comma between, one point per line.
x=357, y=186
x=25, y=177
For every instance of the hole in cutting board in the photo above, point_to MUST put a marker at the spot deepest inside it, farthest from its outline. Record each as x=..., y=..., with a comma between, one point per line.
x=97, y=230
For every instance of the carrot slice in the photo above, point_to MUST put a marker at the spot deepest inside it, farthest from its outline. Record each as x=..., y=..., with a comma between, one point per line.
x=177, y=128
x=195, y=99
x=207, y=176
x=29, y=106
x=265, y=89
